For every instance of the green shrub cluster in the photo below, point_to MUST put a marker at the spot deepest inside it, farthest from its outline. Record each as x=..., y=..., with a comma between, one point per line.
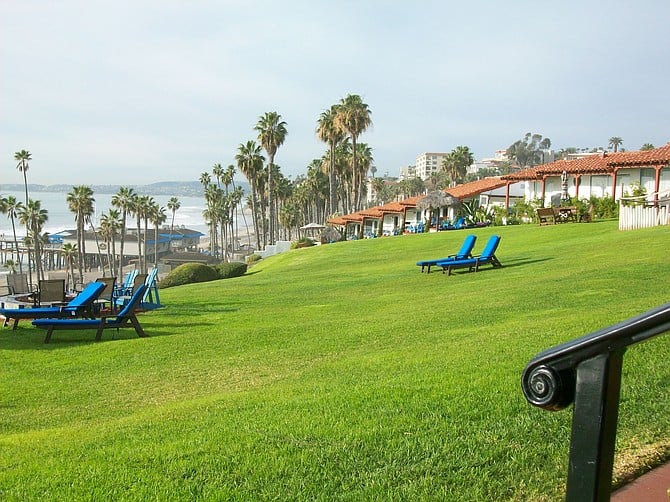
x=525, y=212
x=189, y=273
x=253, y=258
x=303, y=242
x=605, y=207
x=232, y=269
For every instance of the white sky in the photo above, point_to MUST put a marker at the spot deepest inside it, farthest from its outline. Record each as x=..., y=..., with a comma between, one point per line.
x=145, y=91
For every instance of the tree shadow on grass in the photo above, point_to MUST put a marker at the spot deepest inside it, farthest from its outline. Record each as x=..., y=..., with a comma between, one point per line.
x=518, y=262
x=515, y=262
x=30, y=338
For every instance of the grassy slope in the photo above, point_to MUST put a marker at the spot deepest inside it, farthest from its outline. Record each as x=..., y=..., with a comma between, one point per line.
x=339, y=372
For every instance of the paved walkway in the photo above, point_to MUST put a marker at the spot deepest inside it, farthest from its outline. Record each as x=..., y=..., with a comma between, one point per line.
x=651, y=487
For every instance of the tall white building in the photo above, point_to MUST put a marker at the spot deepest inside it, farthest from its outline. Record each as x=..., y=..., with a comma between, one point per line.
x=429, y=163
x=407, y=172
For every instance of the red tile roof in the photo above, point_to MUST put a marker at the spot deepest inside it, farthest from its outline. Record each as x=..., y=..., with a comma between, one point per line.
x=476, y=187
x=338, y=221
x=657, y=156
x=604, y=162
x=353, y=218
x=393, y=207
x=372, y=212
x=411, y=201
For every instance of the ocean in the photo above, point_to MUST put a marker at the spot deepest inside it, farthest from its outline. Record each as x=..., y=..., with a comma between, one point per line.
x=188, y=215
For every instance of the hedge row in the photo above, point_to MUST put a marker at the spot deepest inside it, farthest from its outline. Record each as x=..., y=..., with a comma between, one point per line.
x=199, y=272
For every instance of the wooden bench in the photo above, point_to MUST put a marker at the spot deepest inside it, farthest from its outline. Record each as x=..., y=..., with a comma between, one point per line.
x=566, y=214
x=546, y=215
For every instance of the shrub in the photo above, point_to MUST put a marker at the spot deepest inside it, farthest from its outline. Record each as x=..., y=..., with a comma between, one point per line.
x=232, y=269
x=189, y=273
x=524, y=212
x=253, y=258
x=303, y=242
x=605, y=207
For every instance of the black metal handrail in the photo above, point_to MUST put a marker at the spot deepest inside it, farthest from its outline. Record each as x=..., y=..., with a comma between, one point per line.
x=587, y=371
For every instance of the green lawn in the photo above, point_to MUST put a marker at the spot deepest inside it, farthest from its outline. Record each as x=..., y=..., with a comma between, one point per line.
x=340, y=372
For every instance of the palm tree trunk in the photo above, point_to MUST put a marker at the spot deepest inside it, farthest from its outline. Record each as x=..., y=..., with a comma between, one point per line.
x=97, y=245
x=146, y=233
x=83, y=243
x=25, y=182
x=123, y=239
x=270, y=199
x=16, y=246
x=254, y=216
x=114, y=255
x=156, y=246
x=332, y=180
x=139, y=244
x=30, y=267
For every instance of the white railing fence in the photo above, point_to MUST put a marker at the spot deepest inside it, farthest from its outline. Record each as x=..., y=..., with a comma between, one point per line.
x=635, y=212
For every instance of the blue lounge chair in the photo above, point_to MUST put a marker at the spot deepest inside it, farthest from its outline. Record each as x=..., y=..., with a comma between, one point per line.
x=122, y=299
x=151, y=300
x=125, y=318
x=81, y=305
x=463, y=253
x=487, y=256
x=126, y=286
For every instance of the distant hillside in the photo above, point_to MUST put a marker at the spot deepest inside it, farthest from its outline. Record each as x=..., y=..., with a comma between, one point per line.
x=185, y=188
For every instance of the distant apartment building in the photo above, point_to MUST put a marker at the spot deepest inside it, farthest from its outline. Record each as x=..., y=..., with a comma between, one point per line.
x=494, y=162
x=429, y=163
x=407, y=173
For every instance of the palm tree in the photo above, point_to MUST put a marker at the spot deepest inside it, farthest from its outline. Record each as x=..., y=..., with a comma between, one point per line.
x=23, y=157
x=11, y=207
x=110, y=225
x=378, y=185
x=238, y=195
x=145, y=204
x=123, y=199
x=329, y=132
x=69, y=252
x=173, y=205
x=250, y=163
x=218, y=172
x=80, y=201
x=158, y=217
x=647, y=146
x=271, y=135
x=34, y=217
x=137, y=208
x=343, y=161
x=133, y=210
x=354, y=117
x=209, y=190
x=456, y=163
x=464, y=159
x=365, y=164
x=615, y=142
x=11, y=265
